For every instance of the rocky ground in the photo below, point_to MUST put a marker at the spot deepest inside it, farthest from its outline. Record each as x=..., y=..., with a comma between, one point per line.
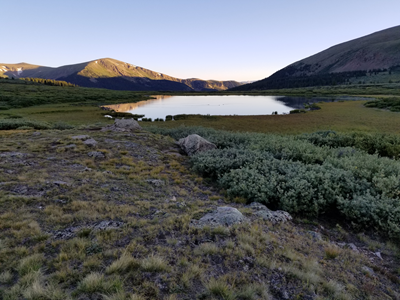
x=93, y=214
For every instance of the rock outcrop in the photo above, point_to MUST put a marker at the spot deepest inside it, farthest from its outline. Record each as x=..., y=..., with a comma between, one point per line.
x=223, y=216
x=123, y=125
x=263, y=212
x=194, y=143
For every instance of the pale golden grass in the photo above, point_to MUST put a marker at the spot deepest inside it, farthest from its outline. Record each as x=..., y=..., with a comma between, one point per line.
x=154, y=263
x=96, y=283
x=125, y=263
x=30, y=264
x=206, y=249
x=331, y=252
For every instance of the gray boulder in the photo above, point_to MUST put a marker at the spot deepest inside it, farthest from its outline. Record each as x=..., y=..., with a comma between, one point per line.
x=129, y=124
x=223, y=216
x=123, y=125
x=194, y=143
x=264, y=213
x=96, y=154
x=316, y=236
x=155, y=182
x=82, y=137
x=90, y=143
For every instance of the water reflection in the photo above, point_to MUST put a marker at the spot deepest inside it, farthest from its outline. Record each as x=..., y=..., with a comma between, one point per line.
x=216, y=105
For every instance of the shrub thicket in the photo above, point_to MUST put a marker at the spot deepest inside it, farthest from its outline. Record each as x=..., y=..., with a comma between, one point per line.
x=307, y=174
x=10, y=124
x=391, y=103
x=382, y=144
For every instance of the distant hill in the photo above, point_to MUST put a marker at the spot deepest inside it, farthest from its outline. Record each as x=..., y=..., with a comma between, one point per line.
x=372, y=58
x=114, y=74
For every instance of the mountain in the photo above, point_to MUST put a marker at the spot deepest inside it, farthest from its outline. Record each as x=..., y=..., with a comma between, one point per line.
x=114, y=74
x=350, y=62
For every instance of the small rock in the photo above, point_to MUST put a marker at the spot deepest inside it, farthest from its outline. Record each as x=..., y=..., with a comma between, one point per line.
x=181, y=204
x=81, y=137
x=223, y=216
x=285, y=295
x=70, y=146
x=90, y=143
x=315, y=235
x=273, y=216
x=36, y=133
x=66, y=233
x=368, y=270
x=60, y=201
x=156, y=182
x=12, y=154
x=173, y=199
x=60, y=183
x=103, y=225
x=379, y=255
x=96, y=154
x=353, y=247
x=194, y=143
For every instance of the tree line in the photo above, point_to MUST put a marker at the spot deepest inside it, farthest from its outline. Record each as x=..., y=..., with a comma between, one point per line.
x=51, y=82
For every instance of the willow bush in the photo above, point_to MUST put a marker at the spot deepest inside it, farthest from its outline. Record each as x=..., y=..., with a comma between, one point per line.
x=321, y=173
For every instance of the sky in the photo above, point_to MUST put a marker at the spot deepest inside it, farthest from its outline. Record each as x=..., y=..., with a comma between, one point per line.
x=219, y=39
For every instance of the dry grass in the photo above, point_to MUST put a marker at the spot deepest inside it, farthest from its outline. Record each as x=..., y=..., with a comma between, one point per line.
x=51, y=246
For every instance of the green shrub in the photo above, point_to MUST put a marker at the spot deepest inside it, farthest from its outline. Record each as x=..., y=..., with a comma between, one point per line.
x=180, y=117
x=308, y=174
x=383, y=144
x=9, y=124
x=391, y=103
x=62, y=126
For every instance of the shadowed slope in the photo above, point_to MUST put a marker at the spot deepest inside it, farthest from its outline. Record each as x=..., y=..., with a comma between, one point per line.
x=377, y=52
x=114, y=74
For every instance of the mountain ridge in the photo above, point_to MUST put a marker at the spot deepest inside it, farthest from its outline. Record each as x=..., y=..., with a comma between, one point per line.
x=377, y=52
x=114, y=74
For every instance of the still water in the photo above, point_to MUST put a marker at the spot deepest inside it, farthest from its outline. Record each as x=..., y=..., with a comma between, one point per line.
x=215, y=105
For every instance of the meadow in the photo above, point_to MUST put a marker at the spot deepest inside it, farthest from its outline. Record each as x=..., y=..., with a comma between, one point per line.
x=113, y=222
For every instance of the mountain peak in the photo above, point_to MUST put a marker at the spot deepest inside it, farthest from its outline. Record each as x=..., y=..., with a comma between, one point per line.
x=114, y=74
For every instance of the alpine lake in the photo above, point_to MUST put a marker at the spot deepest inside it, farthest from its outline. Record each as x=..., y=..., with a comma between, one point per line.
x=240, y=105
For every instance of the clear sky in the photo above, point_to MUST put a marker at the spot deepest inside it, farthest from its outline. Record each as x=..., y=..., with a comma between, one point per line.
x=208, y=39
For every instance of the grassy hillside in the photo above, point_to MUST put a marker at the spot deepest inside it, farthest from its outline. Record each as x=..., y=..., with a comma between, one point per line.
x=347, y=63
x=114, y=74
x=20, y=93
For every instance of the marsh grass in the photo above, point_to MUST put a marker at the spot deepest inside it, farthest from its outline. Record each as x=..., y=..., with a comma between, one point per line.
x=345, y=116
